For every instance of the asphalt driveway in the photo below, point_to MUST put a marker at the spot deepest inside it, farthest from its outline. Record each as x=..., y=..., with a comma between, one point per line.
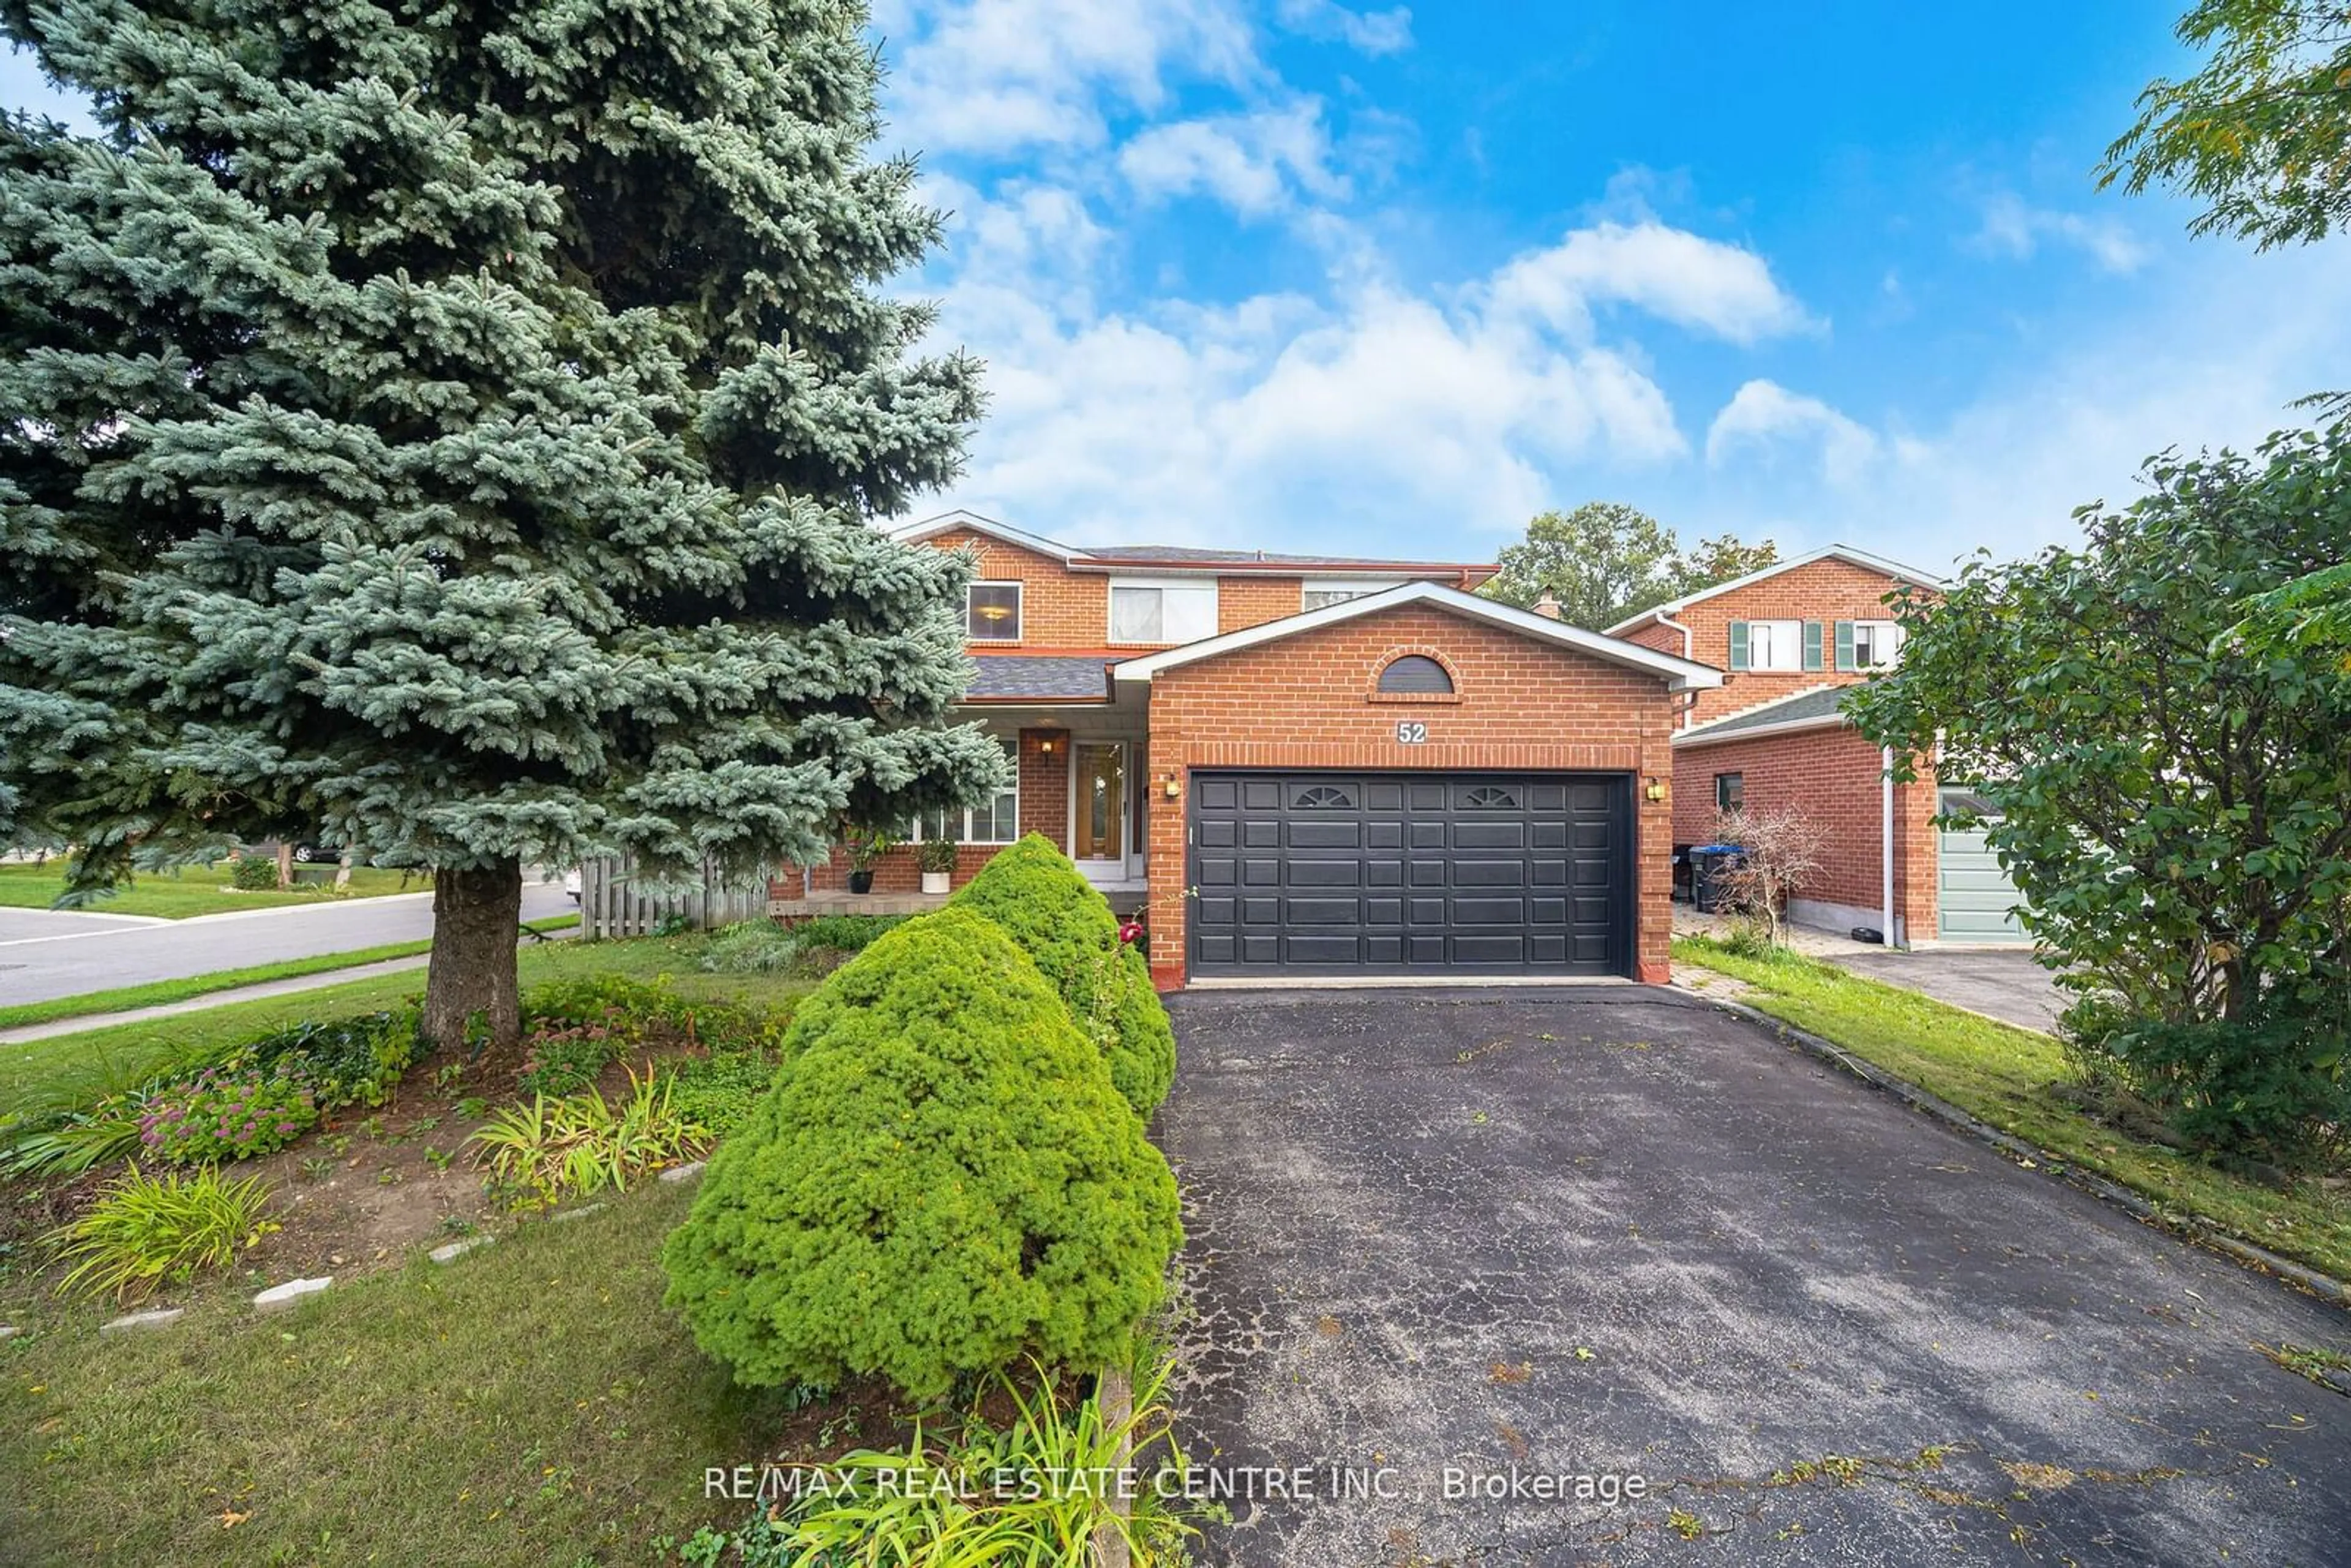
x=1608, y=1233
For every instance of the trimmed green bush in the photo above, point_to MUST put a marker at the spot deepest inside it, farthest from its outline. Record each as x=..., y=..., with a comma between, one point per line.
x=941, y=1181
x=1063, y=923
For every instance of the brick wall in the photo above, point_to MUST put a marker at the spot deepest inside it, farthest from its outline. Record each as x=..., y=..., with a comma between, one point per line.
x=1835, y=777
x=1059, y=608
x=1044, y=808
x=1825, y=591
x=1246, y=601
x=1306, y=701
x=1063, y=610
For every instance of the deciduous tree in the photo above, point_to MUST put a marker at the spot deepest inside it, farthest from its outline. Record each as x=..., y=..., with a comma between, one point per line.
x=454, y=431
x=2262, y=132
x=1606, y=561
x=2174, y=802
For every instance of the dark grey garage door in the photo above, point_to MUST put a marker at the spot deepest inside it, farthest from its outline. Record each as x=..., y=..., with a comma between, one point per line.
x=1408, y=874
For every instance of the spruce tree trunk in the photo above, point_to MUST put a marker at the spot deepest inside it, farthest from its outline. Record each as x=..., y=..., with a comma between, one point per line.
x=476, y=920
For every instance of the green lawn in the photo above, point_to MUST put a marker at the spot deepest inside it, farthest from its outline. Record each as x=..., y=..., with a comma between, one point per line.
x=162, y=993
x=73, y=1069
x=2006, y=1076
x=194, y=890
x=531, y=1404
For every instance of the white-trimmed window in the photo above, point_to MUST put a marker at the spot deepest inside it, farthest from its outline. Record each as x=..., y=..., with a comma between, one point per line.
x=997, y=822
x=1776, y=646
x=1323, y=590
x=1877, y=644
x=992, y=613
x=1176, y=610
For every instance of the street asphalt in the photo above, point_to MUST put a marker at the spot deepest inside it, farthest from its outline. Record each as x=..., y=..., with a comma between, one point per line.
x=1602, y=1233
x=46, y=953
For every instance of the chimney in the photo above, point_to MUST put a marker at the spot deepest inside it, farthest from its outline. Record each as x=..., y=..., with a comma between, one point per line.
x=1548, y=606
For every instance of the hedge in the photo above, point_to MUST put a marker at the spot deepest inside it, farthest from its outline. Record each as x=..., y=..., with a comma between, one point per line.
x=1063, y=923
x=941, y=1182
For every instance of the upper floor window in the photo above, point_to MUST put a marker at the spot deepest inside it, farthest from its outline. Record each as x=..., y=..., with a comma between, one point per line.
x=1774, y=646
x=1415, y=674
x=1319, y=592
x=1171, y=611
x=992, y=613
x=1730, y=791
x=1875, y=645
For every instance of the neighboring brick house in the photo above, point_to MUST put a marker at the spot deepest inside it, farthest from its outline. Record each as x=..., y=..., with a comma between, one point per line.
x=1791, y=638
x=1321, y=765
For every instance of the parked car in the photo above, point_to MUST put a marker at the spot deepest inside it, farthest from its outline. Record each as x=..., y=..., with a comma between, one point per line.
x=572, y=884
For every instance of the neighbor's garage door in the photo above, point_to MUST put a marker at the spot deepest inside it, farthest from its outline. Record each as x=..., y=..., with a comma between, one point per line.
x=1387, y=874
x=1975, y=902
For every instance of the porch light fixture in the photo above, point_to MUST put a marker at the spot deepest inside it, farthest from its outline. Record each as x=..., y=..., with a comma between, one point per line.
x=1170, y=786
x=1657, y=791
x=1045, y=746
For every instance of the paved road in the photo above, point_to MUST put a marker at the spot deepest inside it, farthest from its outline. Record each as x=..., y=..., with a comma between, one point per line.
x=44, y=955
x=1617, y=1232
x=2001, y=982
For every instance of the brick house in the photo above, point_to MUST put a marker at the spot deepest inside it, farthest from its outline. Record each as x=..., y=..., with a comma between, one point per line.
x=1321, y=765
x=1790, y=639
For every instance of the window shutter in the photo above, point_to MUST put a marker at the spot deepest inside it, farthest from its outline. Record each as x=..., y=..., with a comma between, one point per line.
x=1811, y=645
x=1738, y=644
x=1844, y=645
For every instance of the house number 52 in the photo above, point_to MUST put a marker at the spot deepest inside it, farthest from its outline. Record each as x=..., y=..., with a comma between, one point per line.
x=1412, y=732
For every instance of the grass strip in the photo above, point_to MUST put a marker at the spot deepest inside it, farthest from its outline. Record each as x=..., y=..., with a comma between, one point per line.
x=2012, y=1078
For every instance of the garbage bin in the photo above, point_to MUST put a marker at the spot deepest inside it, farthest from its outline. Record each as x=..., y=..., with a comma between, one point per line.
x=1708, y=862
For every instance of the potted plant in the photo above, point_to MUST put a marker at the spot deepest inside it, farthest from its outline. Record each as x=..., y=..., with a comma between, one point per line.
x=865, y=847
x=937, y=858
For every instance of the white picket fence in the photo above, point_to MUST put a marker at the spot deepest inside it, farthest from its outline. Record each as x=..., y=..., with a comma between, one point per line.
x=613, y=903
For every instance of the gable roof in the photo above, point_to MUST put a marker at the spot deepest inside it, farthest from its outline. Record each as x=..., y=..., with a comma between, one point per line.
x=1684, y=674
x=1820, y=707
x=1860, y=558
x=972, y=522
x=1161, y=557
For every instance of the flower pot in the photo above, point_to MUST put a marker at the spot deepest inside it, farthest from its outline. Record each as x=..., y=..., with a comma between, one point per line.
x=936, y=881
x=861, y=882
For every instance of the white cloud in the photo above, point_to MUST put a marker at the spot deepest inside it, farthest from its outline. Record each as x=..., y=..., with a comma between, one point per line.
x=1670, y=273
x=1763, y=413
x=998, y=77
x=1308, y=419
x=1372, y=32
x=1253, y=162
x=2014, y=229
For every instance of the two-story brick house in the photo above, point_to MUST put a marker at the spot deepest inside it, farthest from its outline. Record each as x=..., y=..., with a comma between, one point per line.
x=1318, y=766
x=1790, y=639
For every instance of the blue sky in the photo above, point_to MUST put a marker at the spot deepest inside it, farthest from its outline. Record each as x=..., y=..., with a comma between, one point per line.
x=1315, y=274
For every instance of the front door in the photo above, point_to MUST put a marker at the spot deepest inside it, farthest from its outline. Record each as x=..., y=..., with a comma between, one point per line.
x=1099, y=815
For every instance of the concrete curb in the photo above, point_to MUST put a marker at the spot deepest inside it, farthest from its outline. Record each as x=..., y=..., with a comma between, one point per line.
x=2192, y=1226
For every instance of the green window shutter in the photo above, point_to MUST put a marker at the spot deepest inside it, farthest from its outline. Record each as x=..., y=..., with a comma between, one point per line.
x=1844, y=645
x=1811, y=645
x=1738, y=644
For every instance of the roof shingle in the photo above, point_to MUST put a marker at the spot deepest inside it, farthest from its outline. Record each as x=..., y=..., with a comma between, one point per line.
x=1042, y=677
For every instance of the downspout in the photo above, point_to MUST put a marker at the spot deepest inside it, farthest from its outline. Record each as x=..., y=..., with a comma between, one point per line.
x=1886, y=852
x=1670, y=625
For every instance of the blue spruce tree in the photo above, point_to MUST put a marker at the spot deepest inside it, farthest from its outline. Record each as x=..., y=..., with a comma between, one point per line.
x=453, y=430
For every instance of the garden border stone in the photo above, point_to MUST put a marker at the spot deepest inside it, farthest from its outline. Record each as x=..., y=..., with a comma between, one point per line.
x=154, y=1319
x=281, y=1298
x=2193, y=1226
x=685, y=1172
x=450, y=1252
